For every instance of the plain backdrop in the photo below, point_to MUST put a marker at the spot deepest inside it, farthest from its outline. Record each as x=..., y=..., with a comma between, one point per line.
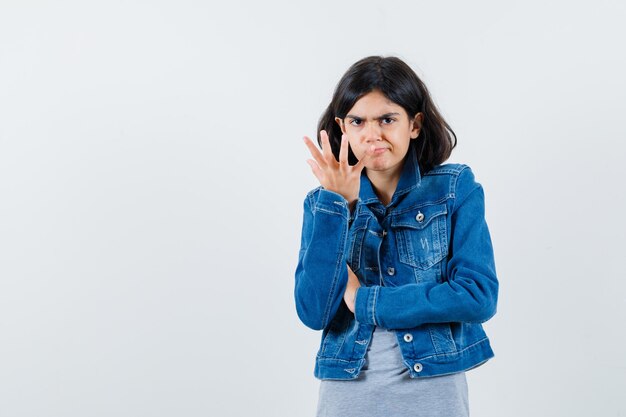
x=152, y=176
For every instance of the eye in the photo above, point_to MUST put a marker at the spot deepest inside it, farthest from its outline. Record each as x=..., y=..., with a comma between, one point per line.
x=387, y=120
x=356, y=122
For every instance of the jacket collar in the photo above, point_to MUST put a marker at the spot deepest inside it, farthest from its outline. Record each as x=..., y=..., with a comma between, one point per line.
x=409, y=180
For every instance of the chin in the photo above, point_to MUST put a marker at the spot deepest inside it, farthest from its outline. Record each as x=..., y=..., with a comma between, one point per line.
x=378, y=167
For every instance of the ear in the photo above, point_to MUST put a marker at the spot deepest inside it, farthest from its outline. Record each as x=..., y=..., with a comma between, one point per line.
x=341, y=125
x=416, y=127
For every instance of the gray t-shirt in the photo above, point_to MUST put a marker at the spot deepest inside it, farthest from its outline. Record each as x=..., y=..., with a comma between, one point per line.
x=385, y=389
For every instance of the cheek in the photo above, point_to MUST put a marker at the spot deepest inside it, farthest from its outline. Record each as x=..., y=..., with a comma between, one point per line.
x=356, y=150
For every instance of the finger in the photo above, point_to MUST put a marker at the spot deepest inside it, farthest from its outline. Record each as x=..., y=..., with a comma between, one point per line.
x=326, y=148
x=343, y=151
x=315, y=152
x=364, y=159
x=316, y=170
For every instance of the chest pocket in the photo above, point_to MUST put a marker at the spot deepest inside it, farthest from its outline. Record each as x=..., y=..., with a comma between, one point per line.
x=421, y=235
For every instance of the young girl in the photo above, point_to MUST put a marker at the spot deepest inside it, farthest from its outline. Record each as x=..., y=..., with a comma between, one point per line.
x=396, y=264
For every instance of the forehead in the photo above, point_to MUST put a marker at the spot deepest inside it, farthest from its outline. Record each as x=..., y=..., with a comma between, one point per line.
x=374, y=104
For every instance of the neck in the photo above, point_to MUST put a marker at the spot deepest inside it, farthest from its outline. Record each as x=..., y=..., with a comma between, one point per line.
x=384, y=183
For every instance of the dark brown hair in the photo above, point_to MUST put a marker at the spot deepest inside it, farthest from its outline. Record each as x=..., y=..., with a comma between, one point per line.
x=399, y=83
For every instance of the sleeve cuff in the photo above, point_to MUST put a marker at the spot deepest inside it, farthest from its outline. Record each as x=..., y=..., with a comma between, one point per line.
x=365, y=305
x=332, y=202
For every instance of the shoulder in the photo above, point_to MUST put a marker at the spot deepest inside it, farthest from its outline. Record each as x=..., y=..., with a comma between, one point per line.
x=456, y=172
x=452, y=170
x=460, y=179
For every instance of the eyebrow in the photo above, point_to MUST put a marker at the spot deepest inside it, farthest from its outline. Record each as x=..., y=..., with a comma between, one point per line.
x=384, y=116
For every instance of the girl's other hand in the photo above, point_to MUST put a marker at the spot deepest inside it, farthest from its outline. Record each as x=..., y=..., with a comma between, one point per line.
x=333, y=175
x=349, y=296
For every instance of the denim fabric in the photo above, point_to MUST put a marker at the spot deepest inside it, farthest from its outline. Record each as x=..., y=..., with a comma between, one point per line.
x=426, y=267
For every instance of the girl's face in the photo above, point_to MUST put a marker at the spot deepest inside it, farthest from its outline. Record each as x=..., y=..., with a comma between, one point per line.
x=376, y=120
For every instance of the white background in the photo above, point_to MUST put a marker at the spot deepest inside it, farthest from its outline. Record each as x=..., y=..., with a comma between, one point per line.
x=152, y=176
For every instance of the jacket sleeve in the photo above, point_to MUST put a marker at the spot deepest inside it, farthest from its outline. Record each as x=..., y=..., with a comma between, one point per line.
x=470, y=291
x=322, y=273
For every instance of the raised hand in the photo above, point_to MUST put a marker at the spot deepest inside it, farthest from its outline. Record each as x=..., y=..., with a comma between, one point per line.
x=333, y=175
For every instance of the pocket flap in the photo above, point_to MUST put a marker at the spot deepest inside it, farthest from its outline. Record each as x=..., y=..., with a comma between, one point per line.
x=420, y=217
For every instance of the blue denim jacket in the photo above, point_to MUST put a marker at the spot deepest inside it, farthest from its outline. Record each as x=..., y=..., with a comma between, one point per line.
x=426, y=267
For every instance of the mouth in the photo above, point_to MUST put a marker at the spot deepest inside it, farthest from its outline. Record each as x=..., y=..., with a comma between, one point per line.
x=379, y=151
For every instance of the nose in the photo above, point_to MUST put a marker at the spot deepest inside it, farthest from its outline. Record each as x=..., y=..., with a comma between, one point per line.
x=372, y=131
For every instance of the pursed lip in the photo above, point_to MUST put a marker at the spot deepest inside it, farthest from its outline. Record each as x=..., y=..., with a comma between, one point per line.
x=379, y=151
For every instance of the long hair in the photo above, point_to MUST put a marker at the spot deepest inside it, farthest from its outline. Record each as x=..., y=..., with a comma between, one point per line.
x=399, y=83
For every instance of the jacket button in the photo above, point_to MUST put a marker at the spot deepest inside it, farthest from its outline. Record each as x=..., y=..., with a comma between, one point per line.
x=419, y=217
x=418, y=367
x=408, y=337
x=391, y=271
x=384, y=233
